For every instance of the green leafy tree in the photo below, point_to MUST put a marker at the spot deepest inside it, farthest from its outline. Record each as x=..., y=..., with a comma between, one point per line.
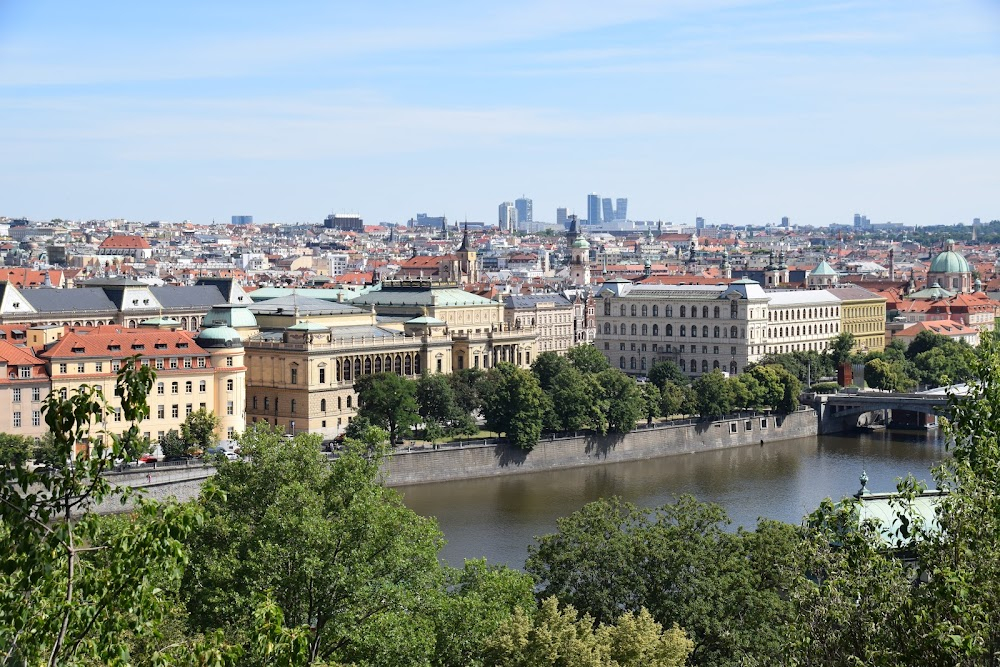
x=466, y=383
x=651, y=401
x=172, y=445
x=437, y=402
x=624, y=403
x=72, y=591
x=513, y=404
x=577, y=401
x=199, y=429
x=662, y=372
x=15, y=449
x=560, y=637
x=766, y=383
x=676, y=399
x=339, y=551
x=713, y=395
x=887, y=375
x=587, y=359
x=388, y=401
x=791, y=387
x=841, y=348
x=547, y=366
x=46, y=452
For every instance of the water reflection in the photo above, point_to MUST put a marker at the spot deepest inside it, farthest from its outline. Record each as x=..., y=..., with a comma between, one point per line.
x=498, y=517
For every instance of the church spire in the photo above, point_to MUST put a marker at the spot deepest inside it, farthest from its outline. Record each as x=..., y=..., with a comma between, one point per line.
x=465, y=238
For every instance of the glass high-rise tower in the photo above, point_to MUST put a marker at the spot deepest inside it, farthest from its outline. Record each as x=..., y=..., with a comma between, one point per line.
x=593, y=209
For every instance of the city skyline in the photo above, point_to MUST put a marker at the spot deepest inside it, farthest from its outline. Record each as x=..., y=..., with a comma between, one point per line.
x=739, y=112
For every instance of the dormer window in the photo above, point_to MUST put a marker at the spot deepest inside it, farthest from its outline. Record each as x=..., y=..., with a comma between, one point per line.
x=135, y=302
x=79, y=349
x=145, y=302
x=25, y=372
x=161, y=346
x=114, y=347
x=17, y=304
x=138, y=346
x=182, y=345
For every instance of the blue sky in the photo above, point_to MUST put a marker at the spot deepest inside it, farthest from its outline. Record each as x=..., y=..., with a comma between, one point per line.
x=738, y=111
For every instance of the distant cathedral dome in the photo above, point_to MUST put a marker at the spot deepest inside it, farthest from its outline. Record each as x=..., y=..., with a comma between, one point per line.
x=950, y=261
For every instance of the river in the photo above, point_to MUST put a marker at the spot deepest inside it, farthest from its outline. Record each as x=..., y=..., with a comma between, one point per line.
x=499, y=517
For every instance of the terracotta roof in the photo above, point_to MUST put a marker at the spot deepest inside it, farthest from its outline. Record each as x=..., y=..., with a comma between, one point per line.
x=124, y=242
x=111, y=341
x=943, y=327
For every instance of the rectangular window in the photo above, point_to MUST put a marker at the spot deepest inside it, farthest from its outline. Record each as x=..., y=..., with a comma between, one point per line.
x=763, y=423
x=159, y=364
x=732, y=427
x=173, y=411
x=99, y=367
x=254, y=402
x=174, y=388
x=295, y=376
x=17, y=395
x=202, y=387
x=36, y=394
x=160, y=411
x=116, y=366
x=118, y=414
x=17, y=420
x=229, y=407
x=62, y=368
x=81, y=368
x=159, y=388
x=322, y=376
x=748, y=426
x=201, y=406
x=201, y=362
x=36, y=418
x=187, y=362
x=188, y=409
x=229, y=385
x=173, y=363
x=229, y=361
x=25, y=372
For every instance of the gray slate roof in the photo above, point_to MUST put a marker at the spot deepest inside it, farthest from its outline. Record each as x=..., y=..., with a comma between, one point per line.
x=530, y=300
x=82, y=299
x=171, y=296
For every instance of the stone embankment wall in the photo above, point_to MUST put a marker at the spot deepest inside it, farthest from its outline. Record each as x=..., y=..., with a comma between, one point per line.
x=416, y=466
x=485, y=460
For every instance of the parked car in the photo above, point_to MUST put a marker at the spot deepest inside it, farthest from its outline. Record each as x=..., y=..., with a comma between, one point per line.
x=147, y=458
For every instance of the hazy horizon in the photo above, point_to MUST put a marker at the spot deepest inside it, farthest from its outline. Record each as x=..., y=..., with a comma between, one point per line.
x=737, y=111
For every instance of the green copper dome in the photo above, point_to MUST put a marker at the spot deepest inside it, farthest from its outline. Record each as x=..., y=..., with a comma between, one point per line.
x=823, y=269
x=219, y=337
x=950, y=262
x=581, y=243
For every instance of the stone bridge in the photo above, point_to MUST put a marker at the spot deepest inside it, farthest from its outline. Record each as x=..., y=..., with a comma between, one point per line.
x=841, y=412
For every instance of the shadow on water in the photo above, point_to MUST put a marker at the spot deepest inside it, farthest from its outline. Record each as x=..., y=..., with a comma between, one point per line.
x=498, y=517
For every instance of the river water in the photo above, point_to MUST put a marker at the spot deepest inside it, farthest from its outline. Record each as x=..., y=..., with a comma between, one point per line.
x=499, y=517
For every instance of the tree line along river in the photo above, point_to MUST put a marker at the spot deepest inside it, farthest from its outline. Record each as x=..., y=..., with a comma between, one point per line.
x=499, y=517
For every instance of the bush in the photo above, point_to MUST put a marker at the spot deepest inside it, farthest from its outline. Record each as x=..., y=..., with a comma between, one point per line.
x=825, y=388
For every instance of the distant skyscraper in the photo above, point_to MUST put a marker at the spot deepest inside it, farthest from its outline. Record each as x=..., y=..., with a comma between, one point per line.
x=508, y=217
x=621, y=209
x=784, y=221
x=523, y=207
x=347, y=222
x=242, y=219
x=699, y=224
x=861, y=221
x=562, y=220
x=607, y=209
x=593, y=209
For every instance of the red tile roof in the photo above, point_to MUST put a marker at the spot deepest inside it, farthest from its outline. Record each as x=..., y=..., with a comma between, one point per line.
x=125, y=242
x=112, y=341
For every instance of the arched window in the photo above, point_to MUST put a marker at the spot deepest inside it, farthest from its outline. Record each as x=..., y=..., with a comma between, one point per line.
x=704, y=365
x=633, y=310
x=704, y=312
x=732, y=331
x=397, y=365
x=416, y=364
x=704, y=331
x=621, y=362
x=607, y=327
x=733, y=310
x=715, y=332
x=656, y=311
x=339, y=378
x=694, y=311
x=644, y=311
x=683, y=365
x=715, y=364
x=694, y=331
x=732, y=368
x=348, y=402
x=607, y=306
x=683, y=331
x=357, y=367
x=378, y=364
x=340, y=406
x=408, y=365
x=188, y=387
x=716, y=312
x=642, y=364
x=322, y=405
x=669, y=311
x=656, y=329
x=621, y=329
x=670, y=330
x=631, y=363
x=623, y=310
x=694, y=365
x=683, y=311
x=347, y=369
x=368, y=365
x=633, y=329
x=644, y=330
x=293, y=406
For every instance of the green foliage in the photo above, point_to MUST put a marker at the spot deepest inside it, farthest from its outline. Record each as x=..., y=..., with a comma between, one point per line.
x=547, y=366
x=559, y=637
x=728, y=591
x=466, y=383
x=825, y=387
x=577, y=401
x=676, y=399
x=939, y=361
x=887, y=375
x=337, y=550
x=841, y=348
x=74, y=588
x=651, y=401
x=388, y=401
x=803, y=363
x=624, y=403
x=713, y=395
x=513, y=404
x=15, y=449
x=666, y=371
x=46, y=452
x=172, y=445
x=199, y=429
x=587, y=359
x=439, y=407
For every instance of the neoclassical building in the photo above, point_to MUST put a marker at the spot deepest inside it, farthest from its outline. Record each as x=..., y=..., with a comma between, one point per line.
x=951, y=271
